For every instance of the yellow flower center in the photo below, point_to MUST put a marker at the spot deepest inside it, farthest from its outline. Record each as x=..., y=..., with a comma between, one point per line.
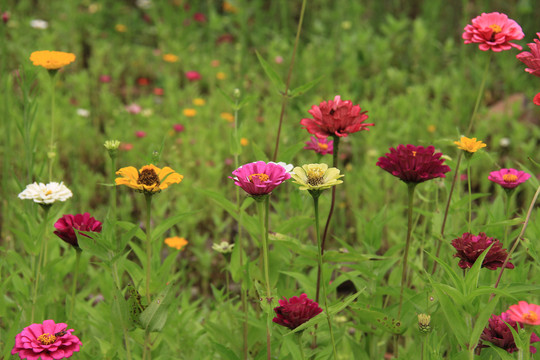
x=46, y=339
x=323, y=146
x=261, y=177
x=496, y=28
x=530, y=316
x=48, y=192
x=414, y=153
x=315, y=176
x=148, y=177
x=510, y=178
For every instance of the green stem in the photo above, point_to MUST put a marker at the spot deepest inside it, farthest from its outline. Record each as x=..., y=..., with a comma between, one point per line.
x=74, y=287
x=470, y=192
x=264, y=242
x=411, y=187
x=299, y=335
x=289, y=75
x=479, y=96
x=508, y=198
x=52, y=150
x=39, y=266
x=148, y=198
x=315, y=195
x=526, y=351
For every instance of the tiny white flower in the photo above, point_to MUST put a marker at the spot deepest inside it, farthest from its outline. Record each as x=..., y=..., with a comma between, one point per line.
x=144, y=4
x=224, y=247
x=288, y=167
x=504, y=142
x=39, y=24
x=83, y=112
x=46, y=193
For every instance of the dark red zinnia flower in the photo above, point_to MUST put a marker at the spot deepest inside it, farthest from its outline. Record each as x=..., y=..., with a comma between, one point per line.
x=498, y=333
x=295, y=311
x=469, y=247
x=335, y=118
x=66, y=225
x=413, y=164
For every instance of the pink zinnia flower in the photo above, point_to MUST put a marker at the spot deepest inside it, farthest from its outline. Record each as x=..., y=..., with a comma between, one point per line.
x=525, y=313
x=531, y=59
x=193, y=75
x=508, y=178
x=133, y=108
x=158, y=91
x=178, y=128
x=320, y=145
x=493, y=31
x=104, y=79
x=140, y=134
x=48, y=341
x=294, y=312
x=413, y=164
x=259, y=178
x=335, y=118
x=469, y=247
x=66, y=225
x=498, y=333
x=536, y=99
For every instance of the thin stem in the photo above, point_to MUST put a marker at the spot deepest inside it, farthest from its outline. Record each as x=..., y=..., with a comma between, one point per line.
x=315, y=196
x=289, y=75
x=479, y=96
x=40, y=260
x=332, y=204
x=411, y=187
x=508, y=198
x=148, y=198
x=527, y=348
x=52, y=150
x=520, y=236
x=470, y=192
x=74, y=287
x=261, y=210
x=299, y=335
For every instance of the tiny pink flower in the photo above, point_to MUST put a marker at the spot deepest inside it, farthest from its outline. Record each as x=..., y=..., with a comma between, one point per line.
x=524, y=313
x=104, y=79
x=178, y=128
x=133, y=108
x=140, y=134
x=493, y=31
x=509, y=178
x=532, y=58
x=320, y=145
x=278, y=59
x=193, y=75
x=199, y=17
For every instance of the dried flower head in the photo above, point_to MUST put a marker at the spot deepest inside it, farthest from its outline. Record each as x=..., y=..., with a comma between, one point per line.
x=469, y=247
x=493, y=31
x=424, y=323
x=294, y=312
x=46, y=193
x=149, y=179
x=51, y=60
x=67, y=224
x=509, y=178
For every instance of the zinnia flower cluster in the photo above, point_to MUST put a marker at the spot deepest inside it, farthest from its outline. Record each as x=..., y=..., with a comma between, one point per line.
x=413, y=164
x=47, y=340
x=294, y=312
x=335, y=118
x=469, y=247
x=259, y=178
x=46, y=193
x=498, y=333
x=493, y=31
x=67, y=224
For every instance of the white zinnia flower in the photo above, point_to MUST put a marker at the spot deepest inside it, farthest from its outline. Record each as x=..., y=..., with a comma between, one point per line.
x=288, y=167
x=83, y=112
x=46, y=193
x=39, y=24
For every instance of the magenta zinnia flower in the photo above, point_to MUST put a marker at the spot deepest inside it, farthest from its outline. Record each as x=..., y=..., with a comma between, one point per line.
x=66, y=225
x=259, y=178
x=413, y=164
x=498, y=333
x=48, y=341
x=294, y=312
x=525, y=313
x=469, y=247
x=508, y=178
x=531, y=59
x=320, y=145
x=193, y=75
x=493, y=31
x=335, y=118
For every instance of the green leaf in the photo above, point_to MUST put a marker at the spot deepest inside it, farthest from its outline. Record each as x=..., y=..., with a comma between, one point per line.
x=311, y=322
x=258, y=153
x=482, y=321
x=271, y=73
x=500, y=351
x=457, y=280
x=288, y=154
x=234, y=144
x=300, y=90
x=471, y=279
x=452, y=314
x=167, y=224
x=225, y=352
x=153, y=318
x=93, y=246
x=334, y=309
x=380, y=319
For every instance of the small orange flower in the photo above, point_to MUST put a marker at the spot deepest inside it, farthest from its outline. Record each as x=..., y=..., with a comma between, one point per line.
x=176, y=242
x=244, y=142
x=199, y=102
x=149, y=179
x=51, y=60
x=227, y=116
x=221, y=75
x=171, y=58
x=190, y=112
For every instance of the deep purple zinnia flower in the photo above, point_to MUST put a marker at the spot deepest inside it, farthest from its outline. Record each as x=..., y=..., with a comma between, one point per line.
x=413, y=164
x=469, y=247
x=498, y=333
x=509, y=178
x=259, y=178
x=320, y=145
x=48, y=341
x=335, y=118
x=66, y=224
x=294, y=312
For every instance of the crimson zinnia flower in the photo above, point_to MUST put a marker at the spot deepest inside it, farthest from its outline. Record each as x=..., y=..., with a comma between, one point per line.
x=509, y=178
x=498, y=333
x=66, y=224
x=294, y=312
x=469, y=247
x=259, y=178
x=493, y=31
x=335, y=118
x=48, y=341
x=413, y=164
x=531, y=59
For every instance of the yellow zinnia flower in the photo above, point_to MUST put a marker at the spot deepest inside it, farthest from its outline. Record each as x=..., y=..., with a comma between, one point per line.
x=149, y=179
x=176, y=242
x=170, y=58
x=51, y=60
x=227, y=116
x=190, y=112
x=199, y=102
x=221, y=75
x=316, y=177
x=469, y=145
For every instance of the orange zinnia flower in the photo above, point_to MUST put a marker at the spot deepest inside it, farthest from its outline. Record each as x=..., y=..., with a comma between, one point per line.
x=51, y=60
x=149, y=179
x=176, y=242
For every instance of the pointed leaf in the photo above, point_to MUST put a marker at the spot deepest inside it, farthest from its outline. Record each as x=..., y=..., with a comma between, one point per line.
x=271, y=73
x=153, y=318
x=300, y=90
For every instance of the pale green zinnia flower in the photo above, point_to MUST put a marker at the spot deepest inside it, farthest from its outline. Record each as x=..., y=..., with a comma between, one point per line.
x=316, y=177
